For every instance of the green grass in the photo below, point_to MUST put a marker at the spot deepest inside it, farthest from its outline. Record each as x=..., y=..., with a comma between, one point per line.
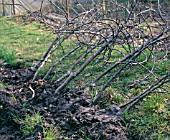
x=8, y=55
x=150, y=119
x=22, y=43
x=51, y=134
x=29, y=124
x=2, y=85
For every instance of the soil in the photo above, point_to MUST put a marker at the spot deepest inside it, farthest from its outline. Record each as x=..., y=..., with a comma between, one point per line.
x=70, y=109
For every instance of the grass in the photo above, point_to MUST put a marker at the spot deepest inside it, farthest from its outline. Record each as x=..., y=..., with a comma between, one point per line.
x=22, y=43
x=2, y=85
x=31, y=122
x=28, y=123
x=8, y=55
x=50, y=134
x=150, y=119
x=25, y=43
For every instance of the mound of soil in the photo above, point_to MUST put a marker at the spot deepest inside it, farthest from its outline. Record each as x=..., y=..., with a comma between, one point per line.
x=71, y=109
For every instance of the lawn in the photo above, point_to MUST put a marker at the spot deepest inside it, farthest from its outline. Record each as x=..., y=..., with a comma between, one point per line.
x=22, y=43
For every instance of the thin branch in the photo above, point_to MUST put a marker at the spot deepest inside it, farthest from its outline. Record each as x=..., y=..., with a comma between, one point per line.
x=136, y=99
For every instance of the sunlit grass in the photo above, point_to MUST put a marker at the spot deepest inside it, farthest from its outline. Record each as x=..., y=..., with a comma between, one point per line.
x=150, y=118
x=8, y=55
x=26, y=43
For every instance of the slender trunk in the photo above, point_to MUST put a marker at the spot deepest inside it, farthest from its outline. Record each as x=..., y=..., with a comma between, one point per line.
x=13, y=7
x=67, y=10
x=61, y=2
x=104, y=8
x=3, y=8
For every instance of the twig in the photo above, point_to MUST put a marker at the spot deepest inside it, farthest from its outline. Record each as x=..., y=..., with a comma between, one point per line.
x=33, y=92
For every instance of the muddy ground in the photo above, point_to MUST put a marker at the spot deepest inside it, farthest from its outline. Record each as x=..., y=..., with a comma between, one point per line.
x=70, y=110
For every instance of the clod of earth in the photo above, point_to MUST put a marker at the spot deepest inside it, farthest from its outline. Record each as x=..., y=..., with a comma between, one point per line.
x=70, y=110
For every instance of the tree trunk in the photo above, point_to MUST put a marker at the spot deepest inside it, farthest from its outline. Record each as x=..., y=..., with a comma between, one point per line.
x=67, y=10
x=104, y=8
x=3, y=8
x=13, y=7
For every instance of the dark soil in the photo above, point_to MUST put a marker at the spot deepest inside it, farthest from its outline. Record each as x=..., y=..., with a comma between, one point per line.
x=70, y=110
